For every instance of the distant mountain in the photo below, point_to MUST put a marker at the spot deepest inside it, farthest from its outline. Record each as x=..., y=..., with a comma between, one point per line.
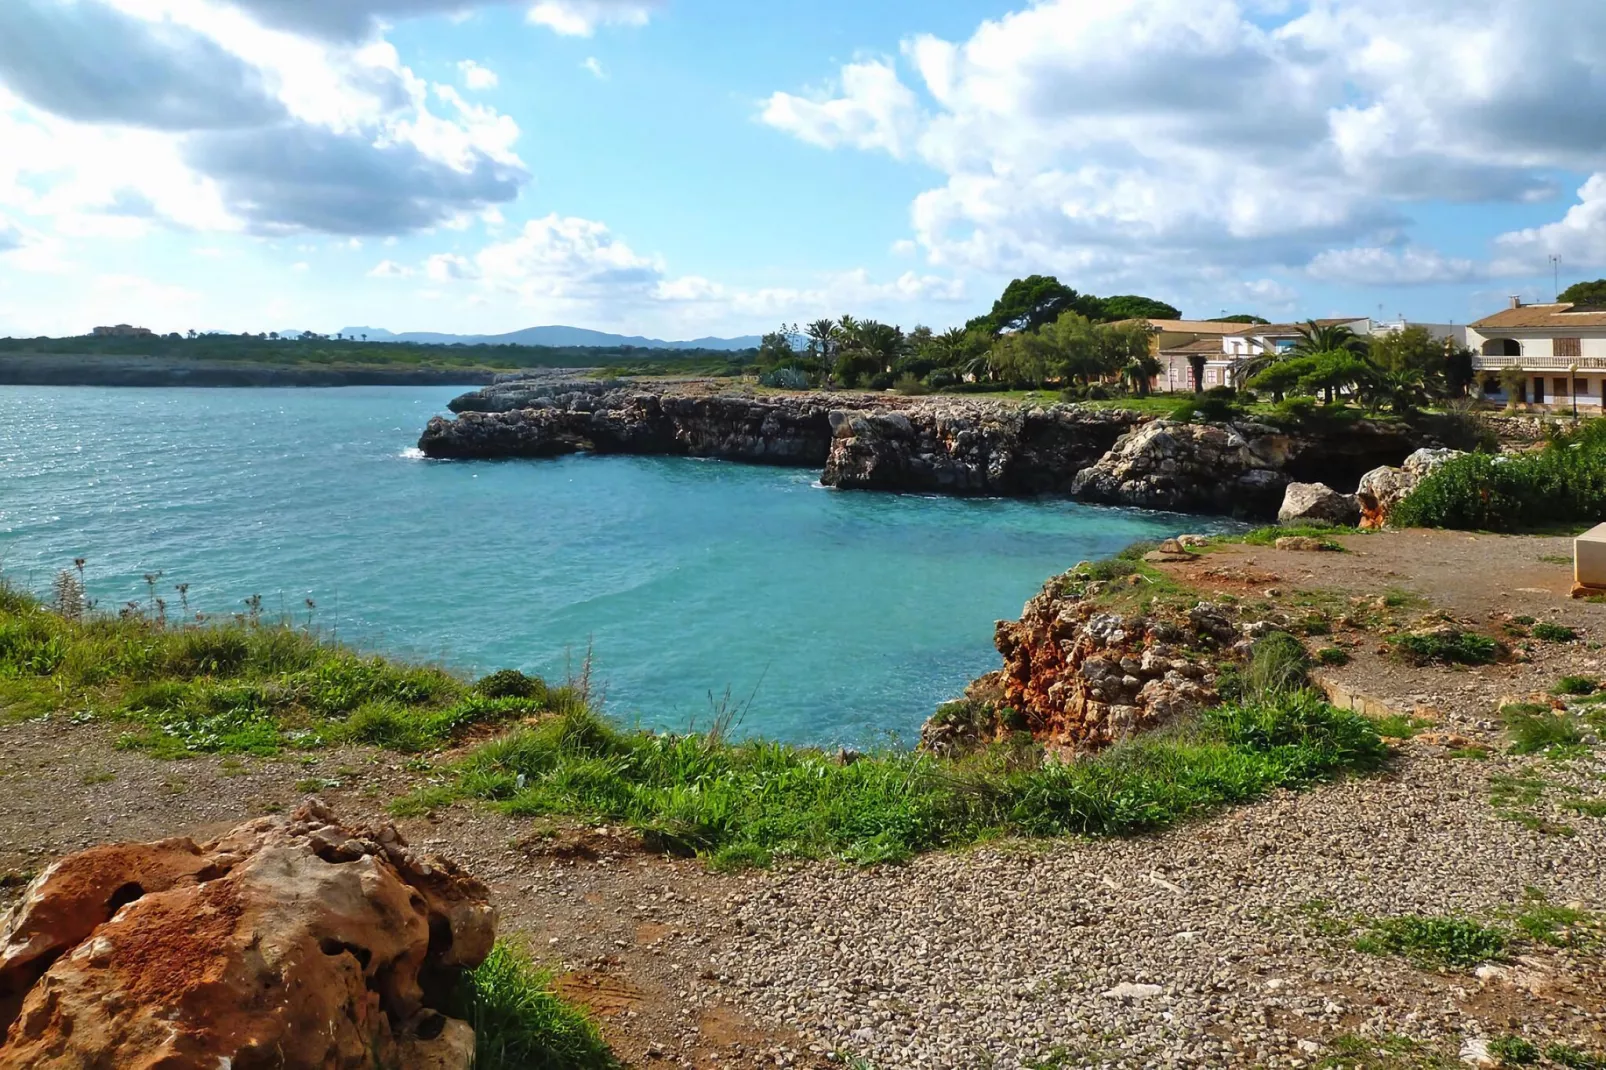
x=550, y=336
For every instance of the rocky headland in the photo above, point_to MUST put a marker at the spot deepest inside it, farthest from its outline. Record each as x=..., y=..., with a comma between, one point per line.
x=949, y=445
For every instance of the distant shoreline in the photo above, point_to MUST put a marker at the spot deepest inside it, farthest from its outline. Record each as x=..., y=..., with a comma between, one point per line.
x=94, y=370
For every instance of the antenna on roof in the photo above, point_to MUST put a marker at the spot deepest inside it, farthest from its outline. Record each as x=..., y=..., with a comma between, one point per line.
x=1555, y=275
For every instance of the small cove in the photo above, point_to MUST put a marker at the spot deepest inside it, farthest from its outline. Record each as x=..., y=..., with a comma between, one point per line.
x=846, y=616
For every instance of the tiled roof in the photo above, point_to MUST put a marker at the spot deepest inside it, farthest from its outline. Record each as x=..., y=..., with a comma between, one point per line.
x=1210, y=346
x=1189, y=326
x=1556, y=317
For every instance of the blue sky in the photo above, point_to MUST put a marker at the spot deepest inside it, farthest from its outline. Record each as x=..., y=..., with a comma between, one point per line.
x=688, y=167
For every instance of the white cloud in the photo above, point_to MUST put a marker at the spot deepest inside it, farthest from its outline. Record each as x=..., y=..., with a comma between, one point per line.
x=301, y=266
x=1180, y=142
x=476, y=77
x=594, y=65
x=873, y=111
x=580, y=18
x=1379, y=266
x=1578, y=238
x=220, y=123
x=444, y=267
x=389, y=269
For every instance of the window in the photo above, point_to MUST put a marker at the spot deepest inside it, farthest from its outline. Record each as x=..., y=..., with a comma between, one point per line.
x=1561, y=388
x=1569, y=347
x=1580, y=386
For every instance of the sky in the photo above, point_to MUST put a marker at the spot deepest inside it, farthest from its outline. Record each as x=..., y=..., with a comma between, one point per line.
x=681, y=168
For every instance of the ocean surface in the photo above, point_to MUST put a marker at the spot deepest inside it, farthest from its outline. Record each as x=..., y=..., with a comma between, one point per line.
x=832, y=617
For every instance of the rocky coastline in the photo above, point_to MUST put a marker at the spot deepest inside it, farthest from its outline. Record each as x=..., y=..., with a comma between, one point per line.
x=946, y=445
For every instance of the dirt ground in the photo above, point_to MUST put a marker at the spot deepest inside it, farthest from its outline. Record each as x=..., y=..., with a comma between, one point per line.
x=653, y=945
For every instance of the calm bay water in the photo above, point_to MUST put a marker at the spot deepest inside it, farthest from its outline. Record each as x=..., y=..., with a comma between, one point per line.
x=851, y=614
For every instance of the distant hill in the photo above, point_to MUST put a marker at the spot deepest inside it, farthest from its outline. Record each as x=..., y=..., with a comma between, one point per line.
x=550, y=336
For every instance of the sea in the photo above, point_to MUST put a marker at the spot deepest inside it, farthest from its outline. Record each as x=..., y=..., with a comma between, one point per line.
x=689, y=586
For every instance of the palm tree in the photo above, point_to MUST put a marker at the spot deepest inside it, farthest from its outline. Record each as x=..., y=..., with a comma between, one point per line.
x=823, y=338
x=1140, y=372
x=1328, y=338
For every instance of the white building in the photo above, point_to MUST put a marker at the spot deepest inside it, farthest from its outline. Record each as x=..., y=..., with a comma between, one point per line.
x=1559, y=348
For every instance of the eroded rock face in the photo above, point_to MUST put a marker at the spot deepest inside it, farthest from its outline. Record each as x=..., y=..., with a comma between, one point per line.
x=1383, y=488
x=969, y=448
x=1307, y=503
x=1078, y=677
x=291, y=941
x=1193, y=467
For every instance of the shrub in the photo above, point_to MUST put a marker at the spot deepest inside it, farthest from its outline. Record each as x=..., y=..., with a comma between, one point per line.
x=909, y=386
x=785, y=379
x=1277, y=665
x=1332, y=655
x=1554, y=633
x=1514, y=1051
x=1563, y=483
x=1434, y=941
x=511, y=683
x=1451, y=647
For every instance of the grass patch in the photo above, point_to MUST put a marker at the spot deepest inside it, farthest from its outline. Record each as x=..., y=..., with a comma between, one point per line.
x=519, y=1021
x=1448, y=647
x=1332, y=655
x=1390, y=1052
x=1537, y=729
x=1554, y=633
x=1576, y=685
x=1434, y=941
x=1400, y=726
x=1514, y=1051
x=239, y=686
x=1557, y=926
x=1268, y=536
x=747, y=803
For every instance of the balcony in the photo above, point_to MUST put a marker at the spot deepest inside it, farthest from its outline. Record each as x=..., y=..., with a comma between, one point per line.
x=1489, y=363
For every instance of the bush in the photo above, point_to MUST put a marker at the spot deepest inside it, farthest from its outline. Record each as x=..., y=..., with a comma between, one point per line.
x=1535, y=729
x=1210, y=407
x=1563, y=483
x=511, y=683
x=785, y=379
x=909, y=386
x=1554, y=633
x=1332, y=655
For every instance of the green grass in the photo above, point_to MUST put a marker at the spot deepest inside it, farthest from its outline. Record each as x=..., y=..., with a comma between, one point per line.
x=1268, y=536
x=1576, y=685
x=238, y=686
x=1557, y=926
x=1400, y=726
x=1391, y=1052
x=1554, y=633
x=520, y=1023
x=1451, y=647
x=1514, y=1051
x=1536, y=729
x=748, y=803
x=1434, y=941
x=1332, y=655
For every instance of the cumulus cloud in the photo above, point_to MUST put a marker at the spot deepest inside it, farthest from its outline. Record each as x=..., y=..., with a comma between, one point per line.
x=1379, y=266
x=580, y=18
x=476, y=77
x=86, y=61
x=1578, y=238
x=444, y=267
x=10, y=235
x=594, y=65
x=218, y=122
x=389, y=269
x=1157, y=141
x=356, y=20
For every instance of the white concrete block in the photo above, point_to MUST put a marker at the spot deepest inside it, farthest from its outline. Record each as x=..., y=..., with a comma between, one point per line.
x=1589, y=558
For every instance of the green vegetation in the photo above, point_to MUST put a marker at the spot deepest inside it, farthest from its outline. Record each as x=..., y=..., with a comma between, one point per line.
x=358, y=352
x=1590, y=294
x=1434, y=941
x=1576, y=685
x=1563, y=483
x=1514, y=1051
x=1558, y=926
x=236, y=685
x=1268, y=536
x=520, y=1023
x=1332, y=655
x=1401, y=726
x=1391, y=1052
x=750, y=802
x=1554, y=633
x=1537, y=729
x=1450, y=646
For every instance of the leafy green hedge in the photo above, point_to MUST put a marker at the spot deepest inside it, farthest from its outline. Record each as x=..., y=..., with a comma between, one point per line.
x=1563, y=483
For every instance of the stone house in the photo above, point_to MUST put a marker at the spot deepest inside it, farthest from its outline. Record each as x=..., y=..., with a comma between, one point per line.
x=1559, y=349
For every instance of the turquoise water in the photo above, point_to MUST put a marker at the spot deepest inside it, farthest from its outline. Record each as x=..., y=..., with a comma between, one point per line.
x=846, y=616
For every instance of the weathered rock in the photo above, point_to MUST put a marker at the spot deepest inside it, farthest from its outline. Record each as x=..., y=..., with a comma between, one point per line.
x=1382, y=489
x=1305, y=503
x=1079, y=678
x=1170, y=551
x=287, y=942
x=1169, y=465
